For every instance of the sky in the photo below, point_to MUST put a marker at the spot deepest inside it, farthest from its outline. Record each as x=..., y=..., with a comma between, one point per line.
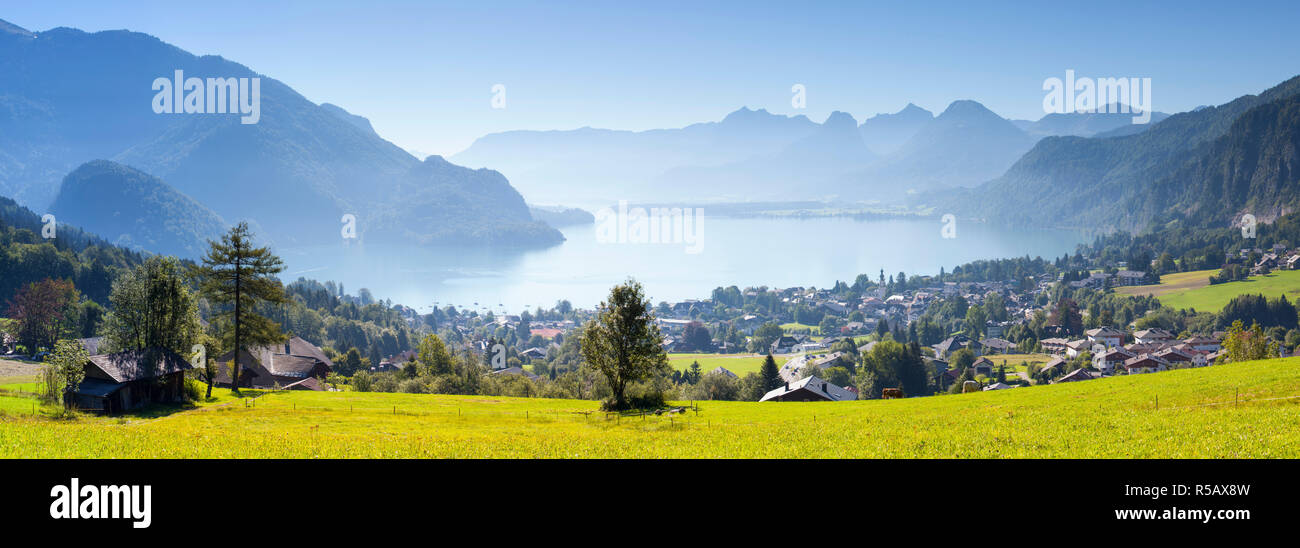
x=424, y=72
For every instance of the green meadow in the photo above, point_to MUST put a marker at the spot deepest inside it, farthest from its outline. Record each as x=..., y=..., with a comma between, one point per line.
x=740, y=364
x=1246, y=410
x=1192, y=289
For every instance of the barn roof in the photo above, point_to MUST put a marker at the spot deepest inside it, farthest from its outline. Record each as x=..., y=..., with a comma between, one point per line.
x=97, y=388
x=812, y=385
x=135, y=365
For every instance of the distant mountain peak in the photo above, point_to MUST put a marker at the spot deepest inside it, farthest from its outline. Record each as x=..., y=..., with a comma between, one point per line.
x=966, y=108
x=134, y=209
x=746, y=113
x=840, y=120
x=912, y=108
x=10, y=28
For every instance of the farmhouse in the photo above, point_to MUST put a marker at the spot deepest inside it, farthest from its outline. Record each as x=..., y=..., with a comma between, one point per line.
x=126, y=380
x=952, y=344
x=1203, y=344
x=809, y=389
x=1052, y=365
x=276, y=365
x=1074, y=348
x=1130, y=277
x=998, y=346
x=983, y=366
x=515, y=371
x=1054, y=345
x=1145, y=364
x=1154, y=335
x=1079, y=374
x=1108, y=361
x=1108, y=336
x=723, y=371
x=785, y=344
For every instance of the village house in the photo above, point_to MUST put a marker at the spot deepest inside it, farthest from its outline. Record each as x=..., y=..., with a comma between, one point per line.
x=945, y=348
x=126, y=380
x=1074, y=348
x=515, y=371
x=1079, y=374
x=1154, y=335
x=1203, y=344
x=809, y=389
x=982, y=366
x=722, y=371
x=1053, y=366
x=1053, y=345
x=784, y=344
x=1178, y=358
x=275, y=366
x=1107, y=362
x=1130, y=277
x=1108, y=336
x=1145, y=364
x=997, y=346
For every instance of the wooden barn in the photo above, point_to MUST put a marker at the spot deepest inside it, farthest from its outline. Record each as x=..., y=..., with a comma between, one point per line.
x=809, y=389
x=126, y=380
x=277, y=365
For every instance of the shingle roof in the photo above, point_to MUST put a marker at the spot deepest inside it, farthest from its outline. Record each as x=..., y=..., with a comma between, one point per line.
x=140, y=364
x=814, y=385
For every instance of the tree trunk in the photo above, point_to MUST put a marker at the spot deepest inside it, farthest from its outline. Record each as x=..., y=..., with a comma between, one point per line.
x=234, y=368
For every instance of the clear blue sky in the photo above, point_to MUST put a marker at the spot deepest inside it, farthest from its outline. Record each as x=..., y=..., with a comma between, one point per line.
x=422, y=71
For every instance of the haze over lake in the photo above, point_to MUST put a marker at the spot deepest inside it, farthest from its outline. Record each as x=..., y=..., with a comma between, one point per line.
x=776, y=252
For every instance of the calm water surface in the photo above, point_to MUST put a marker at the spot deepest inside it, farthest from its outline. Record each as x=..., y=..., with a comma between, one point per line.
x=776, y=252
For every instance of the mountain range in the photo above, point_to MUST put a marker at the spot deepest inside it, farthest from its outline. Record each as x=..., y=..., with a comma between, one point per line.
x=1206, y=167
x=83, y=96
x=757, y=155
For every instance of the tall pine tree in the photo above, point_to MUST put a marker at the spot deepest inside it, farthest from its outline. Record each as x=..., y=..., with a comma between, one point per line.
x=236, y=277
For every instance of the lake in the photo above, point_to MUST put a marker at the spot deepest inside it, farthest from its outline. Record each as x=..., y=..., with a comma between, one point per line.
x=776, y=252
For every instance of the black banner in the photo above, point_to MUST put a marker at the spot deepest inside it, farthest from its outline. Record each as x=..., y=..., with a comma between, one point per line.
x=304, y=499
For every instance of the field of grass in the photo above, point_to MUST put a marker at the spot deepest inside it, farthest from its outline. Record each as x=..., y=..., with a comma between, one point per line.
x=1171, y=283
x=801, y=328
x=1182, y=413
x=1014, y=361
x=1192, y=289
x=740, y=364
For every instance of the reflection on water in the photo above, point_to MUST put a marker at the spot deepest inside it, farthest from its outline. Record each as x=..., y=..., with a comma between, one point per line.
x=775, y=252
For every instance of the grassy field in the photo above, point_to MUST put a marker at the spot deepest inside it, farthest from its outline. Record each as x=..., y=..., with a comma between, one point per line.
x=1171, y=283
x=1182, y=413
x=801, y=327
x=740, y=364
x=1014, y=361
x=1212, y=298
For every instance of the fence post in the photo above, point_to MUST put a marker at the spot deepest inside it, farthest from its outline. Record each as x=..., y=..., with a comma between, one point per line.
x=1157, y=403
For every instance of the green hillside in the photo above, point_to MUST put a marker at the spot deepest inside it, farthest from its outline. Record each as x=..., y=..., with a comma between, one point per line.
x=1183, y=413
x=1212, y=298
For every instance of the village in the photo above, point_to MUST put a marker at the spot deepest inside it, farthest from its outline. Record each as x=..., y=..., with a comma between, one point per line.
x=970, y=335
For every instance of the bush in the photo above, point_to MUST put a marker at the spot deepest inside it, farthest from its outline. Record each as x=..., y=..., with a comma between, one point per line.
x=412, y=386
x=193, y=390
